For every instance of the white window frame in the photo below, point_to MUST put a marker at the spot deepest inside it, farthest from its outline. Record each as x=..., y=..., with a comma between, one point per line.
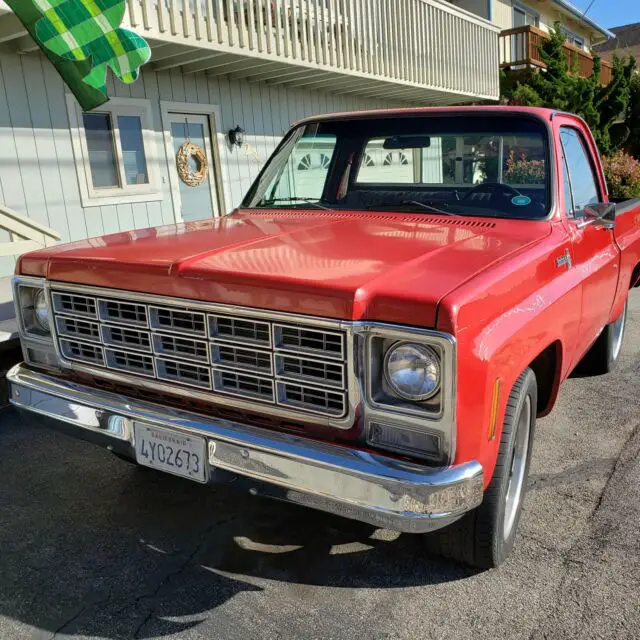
x=91, y=196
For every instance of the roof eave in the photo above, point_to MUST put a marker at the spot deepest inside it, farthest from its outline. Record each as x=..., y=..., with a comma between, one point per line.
x=567, y=6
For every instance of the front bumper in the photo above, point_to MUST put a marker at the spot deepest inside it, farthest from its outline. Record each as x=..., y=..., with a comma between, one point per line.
x=382, y=491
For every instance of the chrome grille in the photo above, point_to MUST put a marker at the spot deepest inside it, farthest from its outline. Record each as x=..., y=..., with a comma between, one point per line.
x=184, y=373
x=180, y=347
x=329, y=373
x=130, y=362
x=75, y=305
x=125, y=312
x=126, y=338
x=240, y=330
x=178, y=320
x=298, y=396
x=207, y=348
x=227, y=355
x=81, y=329
x=243, y=385
x=81, y=352
x=311, y=341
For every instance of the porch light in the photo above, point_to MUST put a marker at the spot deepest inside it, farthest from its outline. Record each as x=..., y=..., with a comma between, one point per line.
x=236, y=136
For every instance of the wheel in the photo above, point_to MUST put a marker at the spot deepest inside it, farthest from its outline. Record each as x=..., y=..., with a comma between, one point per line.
x=484, y=537
x=605, y=352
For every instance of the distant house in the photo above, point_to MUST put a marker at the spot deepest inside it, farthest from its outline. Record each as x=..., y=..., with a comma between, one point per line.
x=217, y=65
x=626, y=42
x=525, y=23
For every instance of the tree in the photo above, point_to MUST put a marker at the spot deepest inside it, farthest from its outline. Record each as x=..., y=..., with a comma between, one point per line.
x=633, y=117
x=560, y=87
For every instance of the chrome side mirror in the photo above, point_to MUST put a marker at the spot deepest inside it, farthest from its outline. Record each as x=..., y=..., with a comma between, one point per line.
x=601, y=214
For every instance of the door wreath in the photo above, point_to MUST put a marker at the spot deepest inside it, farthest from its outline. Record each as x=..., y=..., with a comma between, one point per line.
x=192, y=177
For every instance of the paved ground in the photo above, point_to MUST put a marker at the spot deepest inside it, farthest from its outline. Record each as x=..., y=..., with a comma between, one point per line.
x=91, y=547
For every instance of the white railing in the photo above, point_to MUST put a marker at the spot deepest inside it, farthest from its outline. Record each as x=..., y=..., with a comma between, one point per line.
x=422, y=43
x=23, y=233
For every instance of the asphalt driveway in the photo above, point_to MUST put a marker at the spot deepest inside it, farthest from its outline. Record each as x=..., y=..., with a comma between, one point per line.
x=91, y=547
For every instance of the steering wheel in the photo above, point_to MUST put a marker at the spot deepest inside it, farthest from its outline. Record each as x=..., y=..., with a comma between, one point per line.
x=491, y=187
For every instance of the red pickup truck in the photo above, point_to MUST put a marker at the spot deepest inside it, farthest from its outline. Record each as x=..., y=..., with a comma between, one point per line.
x=372, y=333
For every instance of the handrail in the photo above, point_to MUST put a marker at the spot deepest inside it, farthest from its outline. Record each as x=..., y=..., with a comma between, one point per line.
x=25, y=234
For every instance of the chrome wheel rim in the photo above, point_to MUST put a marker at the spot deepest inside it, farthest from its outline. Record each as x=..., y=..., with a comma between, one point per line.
x=518, y=468
x=618, y=333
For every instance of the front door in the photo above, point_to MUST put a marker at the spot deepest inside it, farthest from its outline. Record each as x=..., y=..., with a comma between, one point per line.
x=194, y=201
x=594, y=250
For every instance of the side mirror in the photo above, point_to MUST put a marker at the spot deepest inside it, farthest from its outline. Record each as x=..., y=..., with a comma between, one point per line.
x=601, y=214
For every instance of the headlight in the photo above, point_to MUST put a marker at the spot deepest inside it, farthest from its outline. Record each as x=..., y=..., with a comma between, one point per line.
x=412, y=371
x=41, y=310
x=32, y=308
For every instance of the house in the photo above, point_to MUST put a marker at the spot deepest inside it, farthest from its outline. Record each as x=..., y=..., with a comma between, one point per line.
x=626, y=42
x=229, y=76
x=524, y=23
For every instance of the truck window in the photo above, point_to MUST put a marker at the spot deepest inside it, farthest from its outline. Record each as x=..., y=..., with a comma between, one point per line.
x=494, y=165
x=304, y=174
x=584, y=186
x=568, y=198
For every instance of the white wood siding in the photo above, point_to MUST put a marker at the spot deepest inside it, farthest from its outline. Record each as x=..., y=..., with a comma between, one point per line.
x=39, y=178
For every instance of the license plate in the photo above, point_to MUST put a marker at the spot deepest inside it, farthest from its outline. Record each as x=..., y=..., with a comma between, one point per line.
x=171, y=451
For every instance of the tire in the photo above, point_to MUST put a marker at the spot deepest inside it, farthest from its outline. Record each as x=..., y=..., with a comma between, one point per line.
x=605, y=352
x=484, y=537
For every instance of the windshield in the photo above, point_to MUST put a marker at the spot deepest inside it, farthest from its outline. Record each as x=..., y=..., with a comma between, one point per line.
x=474, y=165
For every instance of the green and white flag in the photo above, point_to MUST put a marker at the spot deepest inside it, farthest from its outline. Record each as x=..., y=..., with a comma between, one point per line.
x=83, y=38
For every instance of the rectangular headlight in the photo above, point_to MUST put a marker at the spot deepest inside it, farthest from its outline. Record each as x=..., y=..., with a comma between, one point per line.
x=32, y=309
x=409, y=377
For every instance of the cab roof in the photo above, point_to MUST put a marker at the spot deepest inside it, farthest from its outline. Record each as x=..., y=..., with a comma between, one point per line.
x=543, y=114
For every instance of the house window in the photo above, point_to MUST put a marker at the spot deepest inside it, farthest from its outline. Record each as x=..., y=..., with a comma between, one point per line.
x=573, y=38
x=524, y=17
x=114, y=151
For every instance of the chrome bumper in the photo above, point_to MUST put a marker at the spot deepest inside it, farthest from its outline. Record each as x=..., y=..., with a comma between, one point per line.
x=355, y=484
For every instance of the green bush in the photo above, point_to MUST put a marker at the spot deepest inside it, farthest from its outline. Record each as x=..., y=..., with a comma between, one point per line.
x=522, y=170
x=623, y=175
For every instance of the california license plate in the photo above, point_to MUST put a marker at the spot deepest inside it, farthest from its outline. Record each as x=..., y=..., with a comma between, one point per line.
x=171, y=451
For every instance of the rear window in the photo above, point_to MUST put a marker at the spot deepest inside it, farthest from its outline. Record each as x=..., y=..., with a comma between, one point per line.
x=451, y=159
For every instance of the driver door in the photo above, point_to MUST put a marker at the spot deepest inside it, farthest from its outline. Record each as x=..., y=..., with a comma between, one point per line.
x=594, y=251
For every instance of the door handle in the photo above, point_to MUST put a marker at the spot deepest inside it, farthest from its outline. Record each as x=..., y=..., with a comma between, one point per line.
x=581, y=224
x=564, y=260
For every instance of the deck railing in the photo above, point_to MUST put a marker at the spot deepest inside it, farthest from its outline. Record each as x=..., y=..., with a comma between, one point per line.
x=19, y=234
x=520, y=47
x=427, y=43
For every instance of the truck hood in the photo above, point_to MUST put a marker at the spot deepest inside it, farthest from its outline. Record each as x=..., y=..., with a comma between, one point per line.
x=346, y=265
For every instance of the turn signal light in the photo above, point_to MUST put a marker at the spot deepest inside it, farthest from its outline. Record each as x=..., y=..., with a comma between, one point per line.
x=495, y=403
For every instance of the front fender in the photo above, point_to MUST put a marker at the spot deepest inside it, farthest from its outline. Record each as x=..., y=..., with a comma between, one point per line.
x=503, y=321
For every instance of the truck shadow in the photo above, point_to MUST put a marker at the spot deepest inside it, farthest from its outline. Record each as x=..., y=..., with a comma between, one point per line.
x=93, y=546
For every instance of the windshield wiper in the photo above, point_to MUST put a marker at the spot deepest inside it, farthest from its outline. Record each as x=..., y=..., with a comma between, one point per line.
x=312, y=201
x=428, y=207
x=415, y=203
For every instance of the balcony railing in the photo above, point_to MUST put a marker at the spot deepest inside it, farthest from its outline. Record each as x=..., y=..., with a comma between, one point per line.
x=520, y=48
x=424, y=48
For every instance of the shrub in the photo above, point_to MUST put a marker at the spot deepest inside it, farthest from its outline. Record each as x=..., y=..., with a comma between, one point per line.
x=522, y=170
x=623, y=175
